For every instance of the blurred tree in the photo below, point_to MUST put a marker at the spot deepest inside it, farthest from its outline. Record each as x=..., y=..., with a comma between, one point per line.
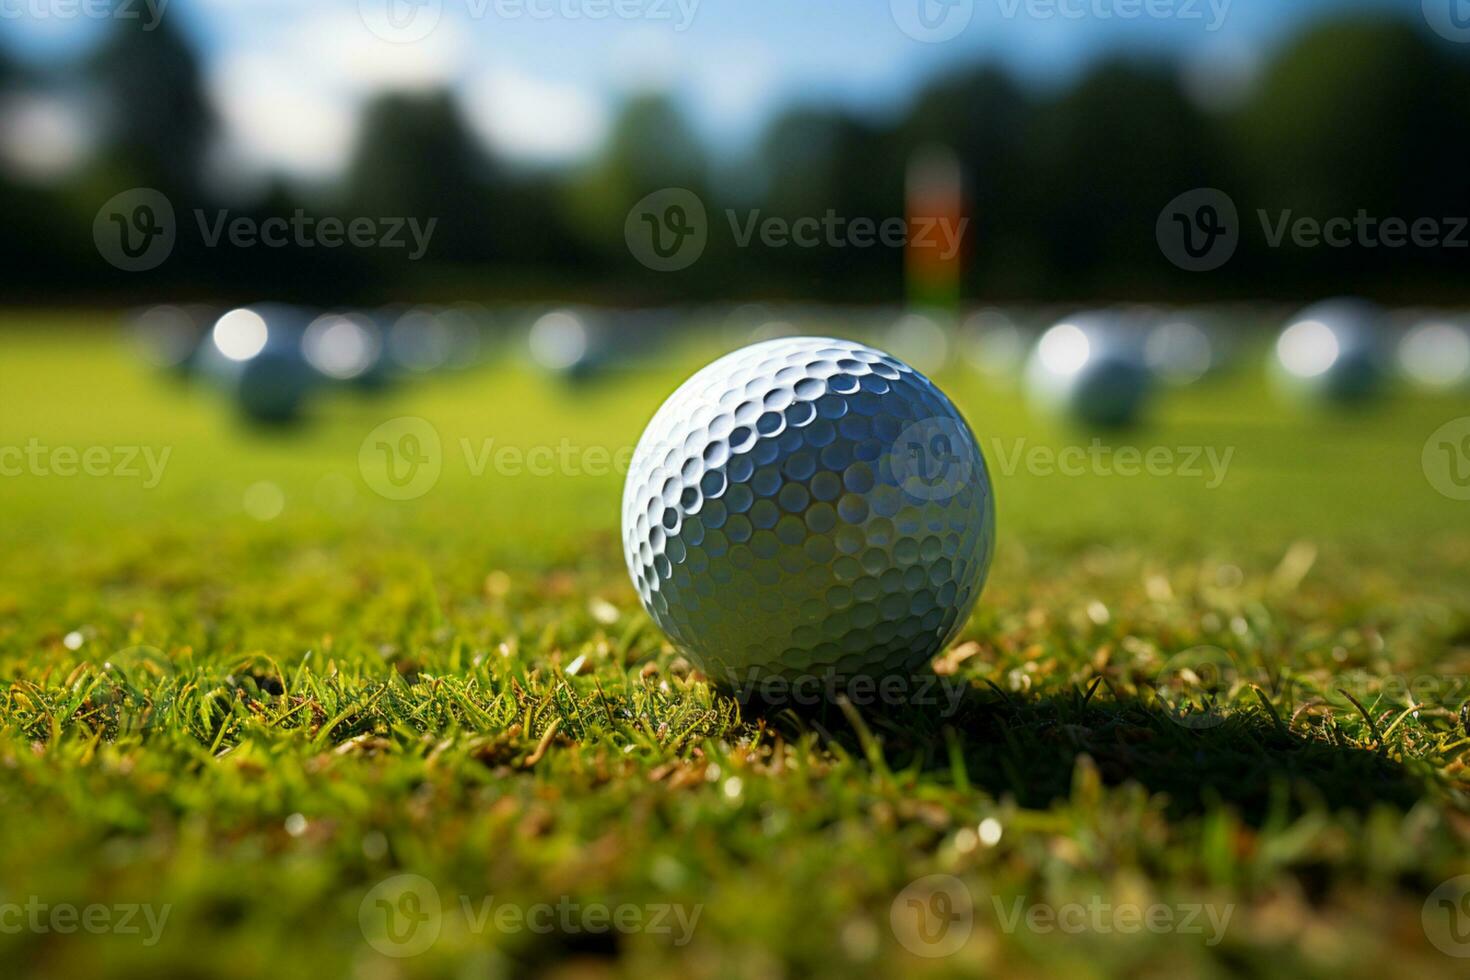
x=159, y=126
x=982, y=115
x=1064, y=188
x=1361, y=114
x=1102, y=159
x=651, y=147
x=821, y=163
x=416, y=159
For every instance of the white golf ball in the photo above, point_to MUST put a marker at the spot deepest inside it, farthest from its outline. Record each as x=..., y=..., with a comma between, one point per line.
x=1332, y=352
x=1090, y=368
x=1435, y=354
x=808, y=507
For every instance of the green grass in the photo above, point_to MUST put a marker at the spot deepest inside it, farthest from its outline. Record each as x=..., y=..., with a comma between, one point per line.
x=265, y=719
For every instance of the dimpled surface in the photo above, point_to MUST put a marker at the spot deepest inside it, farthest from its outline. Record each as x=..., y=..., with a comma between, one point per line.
x=807, y=506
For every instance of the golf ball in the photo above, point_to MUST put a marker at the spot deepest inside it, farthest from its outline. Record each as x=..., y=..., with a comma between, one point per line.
x=1333, y=352
x=1090, y=368
x=169, y=336
x=995, y=345
x=1180, y=350
x=565, y=344
x=255, y=356
x=808, y=507
x=343, y=347
x=1435, y=354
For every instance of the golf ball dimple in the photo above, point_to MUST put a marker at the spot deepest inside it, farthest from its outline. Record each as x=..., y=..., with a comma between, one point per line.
x=808, y=506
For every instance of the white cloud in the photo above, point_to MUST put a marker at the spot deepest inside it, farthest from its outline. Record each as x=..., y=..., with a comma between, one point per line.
x=336, y=45
x=645, y=59
x=534, y=119
x=279, y=118
x=291, y=102
x=44, y=137
x=736, y=85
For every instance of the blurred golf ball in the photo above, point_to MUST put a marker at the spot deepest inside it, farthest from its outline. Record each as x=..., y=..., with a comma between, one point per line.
x=420, y=341
x=168, y=336
x=1435, y=354
x=564, y=343
x=808, y=507
x=920, y=340
x=1332, y=352
x=1090, y=368
x=343, y=347
x=1180, y=351
x=255, y=355
x=995, y=345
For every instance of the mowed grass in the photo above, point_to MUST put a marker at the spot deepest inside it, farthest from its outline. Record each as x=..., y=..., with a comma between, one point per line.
x=253, y=723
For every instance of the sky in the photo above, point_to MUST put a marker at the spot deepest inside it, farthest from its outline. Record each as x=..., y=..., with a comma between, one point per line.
x=541, y=79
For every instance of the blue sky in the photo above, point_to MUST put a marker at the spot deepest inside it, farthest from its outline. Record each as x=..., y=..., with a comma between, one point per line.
x=542, y=76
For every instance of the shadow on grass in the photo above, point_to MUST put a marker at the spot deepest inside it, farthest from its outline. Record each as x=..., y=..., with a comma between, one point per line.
x=1028, y=748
